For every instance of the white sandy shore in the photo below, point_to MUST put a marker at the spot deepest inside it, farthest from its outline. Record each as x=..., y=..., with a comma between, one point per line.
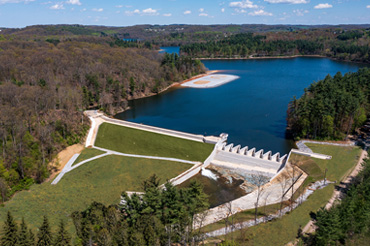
x=209, y=81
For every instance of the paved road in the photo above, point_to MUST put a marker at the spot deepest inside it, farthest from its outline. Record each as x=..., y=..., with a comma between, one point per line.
x=66, y=169
x=111, y=152
x=100, y=118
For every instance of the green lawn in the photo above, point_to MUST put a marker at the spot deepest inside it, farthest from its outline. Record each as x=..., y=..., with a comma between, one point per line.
x=284, y=230
x=101, y=180
x=133, y=141
x=87, y=154
x=343, y=161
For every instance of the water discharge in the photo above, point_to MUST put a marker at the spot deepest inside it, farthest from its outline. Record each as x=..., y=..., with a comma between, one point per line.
x=208, y=173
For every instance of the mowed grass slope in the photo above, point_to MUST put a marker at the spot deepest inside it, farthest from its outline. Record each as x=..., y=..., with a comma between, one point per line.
x=133, y=141
x=284, y=230
x=102, y=180
x=343, y=161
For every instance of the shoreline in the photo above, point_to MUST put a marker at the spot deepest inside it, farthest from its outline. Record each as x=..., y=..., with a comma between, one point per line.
x=174, y=84
x=178, y=84
x=260, y=57
x=279, y=57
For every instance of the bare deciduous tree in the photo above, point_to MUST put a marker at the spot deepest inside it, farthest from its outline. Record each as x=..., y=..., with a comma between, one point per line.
x=258, y=180
x=284, y=182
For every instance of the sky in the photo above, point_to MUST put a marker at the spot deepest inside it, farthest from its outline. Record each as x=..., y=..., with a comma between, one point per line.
x=21, y=13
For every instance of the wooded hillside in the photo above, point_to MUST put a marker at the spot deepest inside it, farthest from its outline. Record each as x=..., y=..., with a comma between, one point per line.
x=331, y=108
x=338, y=44
x=45, y=84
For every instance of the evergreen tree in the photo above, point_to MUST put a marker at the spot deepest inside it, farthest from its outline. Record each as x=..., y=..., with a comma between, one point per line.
x=62, y=238
x=9, y=232
x=31, y=238
x=44, y=237
x=23, y=235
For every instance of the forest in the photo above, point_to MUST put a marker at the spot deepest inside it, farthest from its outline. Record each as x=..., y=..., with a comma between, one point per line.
x=246, y=44
x=349, y=45
x=46, y=84
x=331, y=108
x=158, y=217
x=347, y=223
x=50, y=74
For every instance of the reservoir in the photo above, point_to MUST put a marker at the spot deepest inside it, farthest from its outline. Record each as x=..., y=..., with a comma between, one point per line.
x=251, y=109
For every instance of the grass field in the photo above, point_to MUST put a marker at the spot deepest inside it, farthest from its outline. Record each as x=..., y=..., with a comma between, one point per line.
x=284, y=230
x=87, y=154
x=133, y=141
x=342, y=163
x=101, y=180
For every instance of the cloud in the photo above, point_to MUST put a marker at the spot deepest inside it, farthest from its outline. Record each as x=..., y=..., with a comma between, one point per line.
x=187, y=12
x=150, y=11
x=368, y=6
x=323, y=6
x=223, y=10
x=15, y=1
x=300, y=12
x=57, y=6
x=203, y=14
x=260, y=12
x=98, y=10
x=119, y=6
x=167, y=15
x=288, y=1
x=73, y=2
x=201, y=10
x=240, y=11
x=130, y=13
x=246, y=4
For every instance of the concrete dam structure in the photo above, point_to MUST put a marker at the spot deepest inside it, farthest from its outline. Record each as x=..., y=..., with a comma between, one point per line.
x=248, y=161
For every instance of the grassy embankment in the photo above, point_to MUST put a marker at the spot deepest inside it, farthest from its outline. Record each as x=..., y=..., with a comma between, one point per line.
x=104, y=179
x=133, y=141
x=284, y=230
x=101, y=180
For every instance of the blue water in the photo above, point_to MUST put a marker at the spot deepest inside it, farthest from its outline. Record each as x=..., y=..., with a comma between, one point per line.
x=129, y=39
x=252, y=109
x=170, y=50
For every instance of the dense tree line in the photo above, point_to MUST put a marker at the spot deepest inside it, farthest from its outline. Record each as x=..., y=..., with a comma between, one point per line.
x=338, y=44
x=331, y=108
x=346, y=223
x=247, y=44
x=46, y=84
x=14, y=235
x=355, y=34
x=157, y=217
